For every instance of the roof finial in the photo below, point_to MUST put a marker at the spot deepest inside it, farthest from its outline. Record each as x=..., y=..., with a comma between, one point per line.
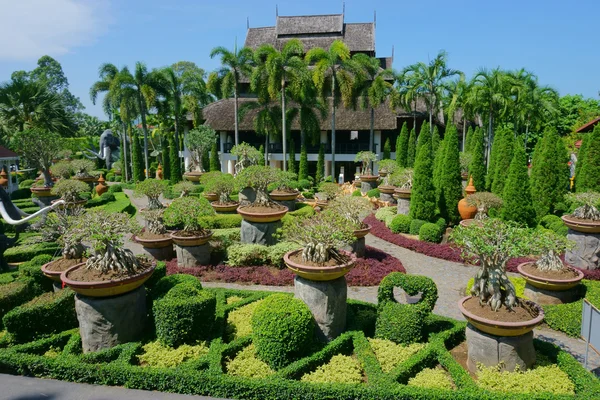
x=276, y=11
x=235, y=46
x=247, y=22
x=343, y=8
x=375, y=18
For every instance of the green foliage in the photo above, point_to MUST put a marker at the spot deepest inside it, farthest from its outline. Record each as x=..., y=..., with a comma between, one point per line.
x=435, y=140
x=26, y=252
x=559, y=228
x=246, y=364
x=390, y=354
x=61, y=169
x=17, y=293
x=52, y=312
x=590, y=170
x=543, y=379
x=198, y=141
x=152, y=189
x=411, y=150
x=548, y=220
x=220, y=221
x=383, y=212
x=184, y=315
x=215, y=164
x=402, y=147
x=412, y=285
x=166, y=283
x=451, y=181
x=283, y=330
x=340, y=369
x=549, y=173
x=243, y=254
x=175, y=168
x=477, y=166
x=567, y=317
x=357, y=193
x=38, y=147
x=374, y=193
x=320, y=174
x=165, y=156
x=438, y=174
x=431, y=232
x=518, y=205
x=186, y=211
x=223, y=185
x=401, y=224
x=415, y=226
x=432, y=378
x=469, y=139
x=70, y=190
x=422, y=201
x=424, y=136
x=160, y=356
x=387, y=149
x=303, y=167
x=502, y=150
x=138, y=159
x=239, y=321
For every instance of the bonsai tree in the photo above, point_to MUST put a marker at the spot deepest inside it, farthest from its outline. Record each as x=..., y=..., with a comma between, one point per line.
x=329, y=189
x=184, y=188
x=62, y=169
x=185, y=212
x=321, y=236
x=65, y=154
x=586, y=205
x=70, y=190
x=246, y=156
x=352, y=208
x=152, y=189
x=82, y=168
x=154, y=221
x=287, y=182
x=388, y=167
x=550, y=245
x=104, y=231
x=117, y=166
x=365, y=158
x=402, y=178
x=493, y=243
x=60, y=227
x=483, y=201
x=222, y=185
x=198, y=141
x=39, y=148
x=259, y=178
x=465, y=162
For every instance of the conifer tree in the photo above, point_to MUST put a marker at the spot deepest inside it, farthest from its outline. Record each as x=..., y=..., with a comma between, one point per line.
x=175, y=173
x=469, y=140
x=402, y=147
x=590, y=172
x=387, y=149
x=477, y=165
x=206, y=159
x=320, y=164
x=291, y=167
x=438, y=163
x=166, y=159
x=261, y=160
x=303, y=167
x=518, y=205
x=424, y=130
x=504, y=146
x=411, y=150
x=138, y=160
x=435, y=140
x=422, y=202
x=580, y=161
x=451, y=181
x=215, y=165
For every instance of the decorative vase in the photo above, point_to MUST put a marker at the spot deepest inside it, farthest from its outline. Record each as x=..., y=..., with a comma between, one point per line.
x=159, y=172
x=465, y=210
x=101, y=188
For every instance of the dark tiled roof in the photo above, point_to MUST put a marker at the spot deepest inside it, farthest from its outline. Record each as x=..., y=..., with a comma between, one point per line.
x=310, y=24
x=6, y=153
x=589, y=126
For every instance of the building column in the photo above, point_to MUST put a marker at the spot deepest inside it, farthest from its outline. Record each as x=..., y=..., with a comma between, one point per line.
x=379, y=146
x=185, y=153
x=328, y=168
x=231, y=167
x=223, y=139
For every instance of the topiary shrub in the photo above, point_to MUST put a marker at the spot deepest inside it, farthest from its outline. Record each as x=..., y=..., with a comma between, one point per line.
x=384, y=212
x=16, y=293
x=357, y=193
x=430, y=233
x=559, y=227
x=243, y=254
x=415, y=226
x=373, y=193
x=412, y=285
x=401, y=224
x=441, y=222
x=184, y=315
x=221, y=221
x=283, y=330
x=548, y=220
x=168, y=282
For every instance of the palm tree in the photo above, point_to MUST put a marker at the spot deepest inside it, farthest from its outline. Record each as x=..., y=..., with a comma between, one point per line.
x=332, y=77
x=405, y=95
x=431, y=81
x=226, y=80
x=458, y=99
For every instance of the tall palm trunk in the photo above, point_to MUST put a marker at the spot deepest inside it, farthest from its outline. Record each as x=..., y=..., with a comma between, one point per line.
x=283, y=122
x=464, y=132
x=266, y=149
x=177, y=138
x=145, y=128
x=333, y=127
x=125, y=172
x=490, y=137
x=372, y=135
x=235, y=112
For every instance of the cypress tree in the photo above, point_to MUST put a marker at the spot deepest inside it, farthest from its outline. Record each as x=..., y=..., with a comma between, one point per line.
x=438, y=163
x=422, y=202
x=435, y=140
x=402, y=147
x=518, y=206
x=424, y=130
x=320, y=164
x=303, y=167
x=387, y=149
x=580, y=161
x=138, y=160
x=292, y=157
x=469, y=140
x=215, y=165
x=261, y=150
x=548, y=173
x=175, y=173
x=411, y=149
x=166, y=159
x=504, y=147
x=477, y=166
x=451, y=180
x=590, y=171
x=206, y=160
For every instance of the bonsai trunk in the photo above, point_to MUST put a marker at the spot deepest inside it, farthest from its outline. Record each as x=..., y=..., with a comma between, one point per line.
x=113, y=258
x=549, y=262
x=47, y=177
x=262, y=199
x=73, y=251
x=154, y=203
x=492, y=285
x=587, y=212
x=481, y=212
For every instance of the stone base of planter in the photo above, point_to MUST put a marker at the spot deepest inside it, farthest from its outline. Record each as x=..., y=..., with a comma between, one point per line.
x=57, y=286
x=358, y=247
x=403, y=206
x=105, y=322
x=541, y=296
x=161, y=254
x=586, y=253
x=192, y=256
x=387, y=197
x=259, y=233
x=246, y=196
x=327, y=302
x=491, y=350
x=291, y=204
x=366, y=186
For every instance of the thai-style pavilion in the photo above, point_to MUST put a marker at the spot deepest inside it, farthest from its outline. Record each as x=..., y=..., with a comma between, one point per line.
x=352, y=125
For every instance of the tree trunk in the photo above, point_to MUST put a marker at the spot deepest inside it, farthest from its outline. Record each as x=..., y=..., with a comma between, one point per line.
x=177, y=139
x=372, y=135
x=125, y=172
x=47, y=177
x=145, y=128
x=235, y=112
x=283, y=123
x=333, y=128
x=489, y=143
x=431, y=117
x=266, y=149
x=464, y=132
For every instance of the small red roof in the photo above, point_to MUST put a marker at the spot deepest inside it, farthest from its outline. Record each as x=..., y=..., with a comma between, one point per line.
x=589, y=126
x=6, y=153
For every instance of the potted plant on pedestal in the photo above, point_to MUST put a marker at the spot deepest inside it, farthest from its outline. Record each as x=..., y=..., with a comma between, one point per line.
x=483, y=201
x=262, y=209
x=152, y=189
x=70, y=191
x=402, y=179
x=246, y=156
x=207, y=177
x=327, y=191
x=83, y=169
x=191, y=239
x=155, y=239
x=386, y=169
x=198, y=141
x=493, y=309
x=354, y=209
x=222, y=185
x=368, y=181
x=117, y=168
x=285, y=191
x=184, y=188
x=38, y=148
x=584, y=230
x=62, y=169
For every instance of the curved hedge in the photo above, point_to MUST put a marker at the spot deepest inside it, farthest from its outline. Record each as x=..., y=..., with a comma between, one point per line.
x=430, y=232
x=401, y=224
x=412, y=285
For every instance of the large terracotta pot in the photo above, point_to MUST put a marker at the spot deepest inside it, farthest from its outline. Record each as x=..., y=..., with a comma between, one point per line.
x=153, y=243
x=585, y=226
x=261, y=217
x=465, y=210
x=190, y=241
x=369, y=178
x=283, y=196
x=361, y=233
x=402, y=193
x=42, y=191
x=193, y=176
x=319, y=273
x=101, y=188
x=557, y=285
x=500, y=328
x=387, y=189
x=106, y=288
x=220, y=208
x=211, y=196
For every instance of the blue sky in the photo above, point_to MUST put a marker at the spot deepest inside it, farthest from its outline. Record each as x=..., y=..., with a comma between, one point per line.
x=555, y=39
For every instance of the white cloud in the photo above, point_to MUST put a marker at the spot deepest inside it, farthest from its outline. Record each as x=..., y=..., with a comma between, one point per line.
x=32, y=28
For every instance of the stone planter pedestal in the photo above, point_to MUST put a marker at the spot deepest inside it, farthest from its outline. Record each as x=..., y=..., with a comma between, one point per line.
x=105, y=322
x=358, y=247
x=327, y=302
x=586, y=253
x=387, y=197
x=259, y=232
x=57, y=286
x=365, y=186
x=246, y=196
x=542, y=296
x=403, y=206
x=192, y=256
x=161, y=254
x=290, y=204
x=491, y=350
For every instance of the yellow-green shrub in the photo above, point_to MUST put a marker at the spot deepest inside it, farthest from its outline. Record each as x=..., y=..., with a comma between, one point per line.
x=158, y=355
x=390, y=354
x=239, y=322
x=432, y=378
x=546, y=379
x=340, y=369
x=246, y=364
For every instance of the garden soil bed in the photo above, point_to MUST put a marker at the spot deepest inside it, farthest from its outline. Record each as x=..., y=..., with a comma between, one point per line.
x=461, y=355
x=263, y=209
x=186, y=234
x=95, y=275
x=64, y=264
x=564, y=274
x=518, y=314
x=297, y=258
x=152, y=236
x=368, y=271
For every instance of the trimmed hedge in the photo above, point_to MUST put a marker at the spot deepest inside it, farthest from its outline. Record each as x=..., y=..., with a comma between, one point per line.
x=431, y=233
x=283, y=330
x=374, y=193
x=221, y=221
x=401, y=224
x=382, y=213
x=167, y=283
x=101, y=200
x=22, y=193
x=26, y=252
x=16, y=293
x=415, y=226
x=242, y=254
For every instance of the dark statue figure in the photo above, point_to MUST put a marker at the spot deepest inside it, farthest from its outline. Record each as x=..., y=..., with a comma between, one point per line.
x=109, y=146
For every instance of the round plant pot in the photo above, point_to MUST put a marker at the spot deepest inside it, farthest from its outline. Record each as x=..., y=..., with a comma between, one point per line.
x=261, y=217
x=402, y=193
x=382, y=174
x=220, y=208
x=550, y=284
x=278, y=196
x=387, y=189
x=190, y=241
x=106, y=288
x=361, y=233
x=322, y=204
x=193, y=176
x=581, y=225
x=369, y=178
x=42, y=191
x=319, y=273
x=54, y=275
x=466, y=211
x=211, y=196
x=500, y=328
x=153, y=243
